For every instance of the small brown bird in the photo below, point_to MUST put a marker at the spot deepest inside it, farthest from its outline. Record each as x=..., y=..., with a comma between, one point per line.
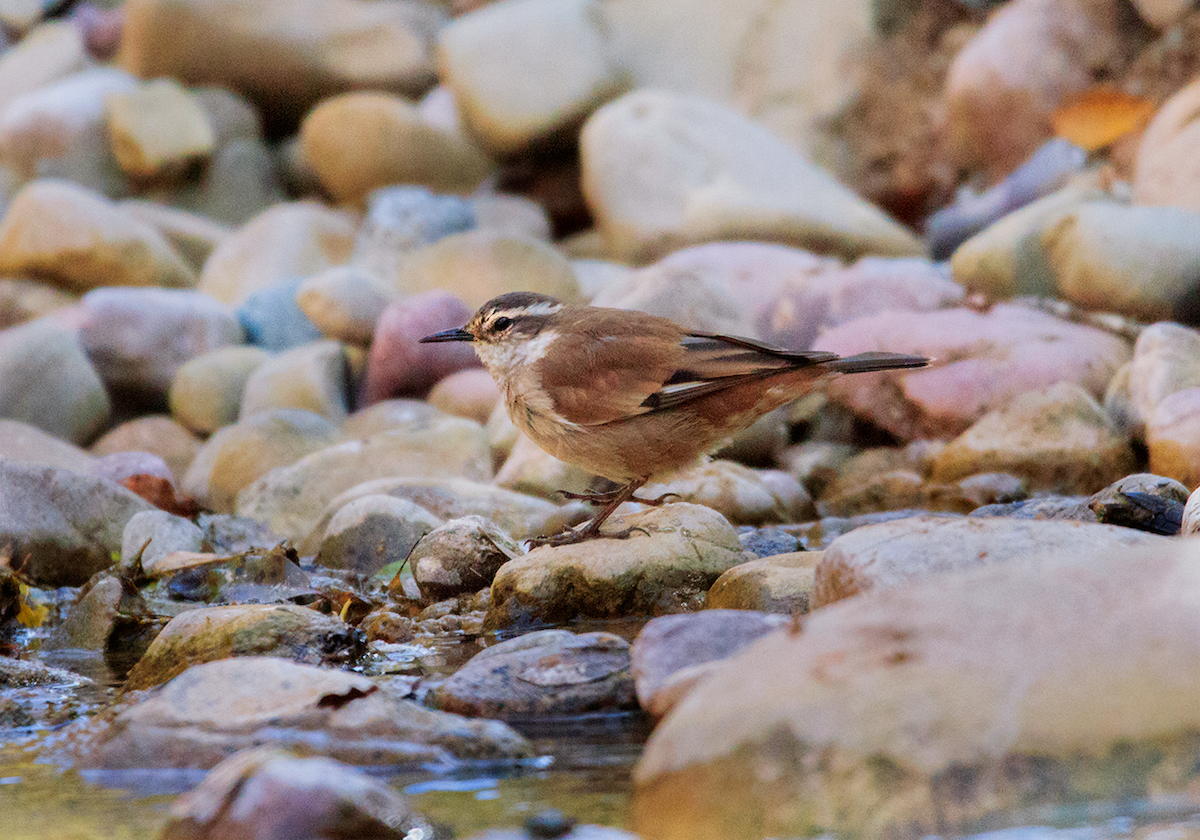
x=630, y=396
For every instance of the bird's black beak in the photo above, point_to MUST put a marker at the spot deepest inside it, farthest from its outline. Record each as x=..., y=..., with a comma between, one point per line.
x=456, y=334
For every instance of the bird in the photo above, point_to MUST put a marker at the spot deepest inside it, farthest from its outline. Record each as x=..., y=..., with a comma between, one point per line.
x=630, y=396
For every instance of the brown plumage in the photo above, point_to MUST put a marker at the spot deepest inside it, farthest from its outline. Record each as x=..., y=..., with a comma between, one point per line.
x=631, y=396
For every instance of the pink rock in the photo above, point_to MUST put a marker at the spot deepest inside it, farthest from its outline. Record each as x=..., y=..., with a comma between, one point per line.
x=401, y=366
x=1028, y=59
x=1168, y=159
x=868, y=287
x=981, y=361
x=119, y=466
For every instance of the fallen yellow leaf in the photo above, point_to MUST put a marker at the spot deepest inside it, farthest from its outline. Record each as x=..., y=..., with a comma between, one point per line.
x=1100, y=117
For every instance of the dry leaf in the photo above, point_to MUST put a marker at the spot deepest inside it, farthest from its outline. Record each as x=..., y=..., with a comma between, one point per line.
x=1100, y=117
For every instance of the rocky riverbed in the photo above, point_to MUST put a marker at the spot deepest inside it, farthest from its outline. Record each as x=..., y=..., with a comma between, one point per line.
x=265, y=567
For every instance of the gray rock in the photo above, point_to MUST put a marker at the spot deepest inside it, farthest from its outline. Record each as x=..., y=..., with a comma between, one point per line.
x=273, y=319
x=460, y=557
x=215, y=709
x=547, y=672
x=401, y=219
x=69, y=526
x=153, y=534
x=312, y=377
x=47, y=381
x=370, y=532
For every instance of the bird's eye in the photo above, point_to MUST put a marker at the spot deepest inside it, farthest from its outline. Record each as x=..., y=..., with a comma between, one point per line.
x=502, y=323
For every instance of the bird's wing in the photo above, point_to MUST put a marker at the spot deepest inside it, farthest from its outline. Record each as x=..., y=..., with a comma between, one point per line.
x=627, y=366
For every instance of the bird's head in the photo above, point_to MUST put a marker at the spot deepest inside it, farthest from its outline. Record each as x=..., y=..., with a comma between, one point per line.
x=510, y=330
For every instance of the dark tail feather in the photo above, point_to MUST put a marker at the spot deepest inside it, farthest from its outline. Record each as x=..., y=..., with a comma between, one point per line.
x=866, y=362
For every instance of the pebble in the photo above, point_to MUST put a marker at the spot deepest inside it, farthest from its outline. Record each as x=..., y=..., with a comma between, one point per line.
x=780, y=583
x=672, y=652
x=206, y=392
x=988, y=359
x=1168, y=168
x=398, y=363
x=271, y=794
x=273, y=318
x=1143, y=501
x=343, y=303
x=48, y=382
x=1173, y=437
x=48, y=53
x=1166, y=359
x=79, y=240
x=26, y=300
x=285, y=241
x=459, y=557
x=543, y=673
x=192, y=235
x=484, y=57
x=137, y=339
x=291, y=499
x=157, y=434
x=27, y=444
x=240, y=182
x=151, y=535
x=358, y=142
x=370, y=532
x=667, y=570
x=663, y=170
x=1056, y=439
x=67, y=524
x=742, y=495
x=470, y=393
x=235, y=456
x=212, y=710
x=312, y=377
x=279, y=630
x=527, y=468
x=157, y=130
x=894, y=553
x=952, y=658
x=342, y=45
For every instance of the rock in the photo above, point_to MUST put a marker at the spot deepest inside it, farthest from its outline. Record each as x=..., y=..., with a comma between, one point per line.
x=284, y=68
x=1167, y=166
x=1173, y=437
x=515, y=513
x=137, y=339
x=1143, y=501
x=158, y=130
x=530, y=469
x=1137, y=261
x=312, y=377
x=1008, y=258
x=826, y=298
x=79, y=240
x=740, y=494
x=232, y=116
x=893, y=553
x=154, y=433
x=766, y=59
x=544, y=673
x=686, y=549
x=989, y=359
x=151, y=535
x=400, y=219
x=214, y=709
x=459, y=557
x=273, y=318
x=483, y=56
x=48, y=382
x=479, y=265
x=704, y=172
x=206, y=392
x=235, y=456
x=26, y=444
x=109, y=618
x=389, y=415
x=192, y=235
x=1161, y=13
x=343, y=303
x=294, y=239
x=61, y=526
x=240, y=182
x=48, y=53
x=279, y=630
x=235, y=534
x=1191, y=515
x=271, y=794
x=357, y=142
x=768, y=541
x=1057, y=439
x=372, y=531
x=398, y=363
x=1005, y=84
x=26, y=300
x=292, y=498
x=988, y=680
x=119, y=467
x=470, y=393
x=673, y=653
x=781, y=583
x=512, y=215
x=57, y=131
x=1166, y=359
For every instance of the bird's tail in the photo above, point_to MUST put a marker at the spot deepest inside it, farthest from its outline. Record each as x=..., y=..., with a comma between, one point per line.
x=866, y=362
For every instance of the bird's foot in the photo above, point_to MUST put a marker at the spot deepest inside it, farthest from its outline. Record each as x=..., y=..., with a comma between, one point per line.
x=573, y=536
x=611, y=496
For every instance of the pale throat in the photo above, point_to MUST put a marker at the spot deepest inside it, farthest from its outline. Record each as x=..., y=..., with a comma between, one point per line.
x=505, y=359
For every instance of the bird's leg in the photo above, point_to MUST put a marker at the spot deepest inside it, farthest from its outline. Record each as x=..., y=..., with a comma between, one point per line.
x=608, y=495
x=591, y=530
